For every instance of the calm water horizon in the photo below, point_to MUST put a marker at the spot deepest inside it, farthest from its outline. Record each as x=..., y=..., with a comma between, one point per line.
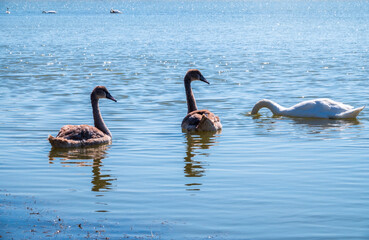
x=262, y=177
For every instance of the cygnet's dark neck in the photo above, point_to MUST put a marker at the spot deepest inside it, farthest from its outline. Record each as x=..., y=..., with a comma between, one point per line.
x=98, y=120
x=191, y=102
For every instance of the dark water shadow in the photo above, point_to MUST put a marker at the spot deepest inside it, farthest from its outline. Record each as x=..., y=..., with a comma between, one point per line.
x=86, y=157
x=197, y=144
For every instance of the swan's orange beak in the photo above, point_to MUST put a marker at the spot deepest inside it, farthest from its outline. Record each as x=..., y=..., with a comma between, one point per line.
x=108, y=96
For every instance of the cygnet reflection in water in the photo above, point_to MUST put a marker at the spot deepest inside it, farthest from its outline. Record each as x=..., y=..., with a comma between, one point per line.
x=197, y=143
x=86, y=157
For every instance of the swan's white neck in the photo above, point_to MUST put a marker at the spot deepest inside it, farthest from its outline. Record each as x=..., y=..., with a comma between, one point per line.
x=272, y=106
x=98, y=120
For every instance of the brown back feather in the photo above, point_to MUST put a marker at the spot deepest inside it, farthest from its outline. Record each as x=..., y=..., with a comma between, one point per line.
x=79, y=132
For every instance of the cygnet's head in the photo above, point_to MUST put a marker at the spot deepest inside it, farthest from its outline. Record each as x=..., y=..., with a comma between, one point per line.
x=195, y=74
x=102, y=92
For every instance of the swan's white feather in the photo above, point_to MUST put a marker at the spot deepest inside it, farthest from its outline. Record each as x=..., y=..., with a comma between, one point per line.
x=316, y=108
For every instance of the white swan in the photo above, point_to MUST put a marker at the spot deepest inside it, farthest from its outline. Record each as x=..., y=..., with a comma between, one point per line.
x=114, y=11
x=49, y=12
x=317, y=108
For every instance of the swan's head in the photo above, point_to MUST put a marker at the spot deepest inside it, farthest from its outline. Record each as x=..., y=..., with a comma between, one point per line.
x=194, y=75
x=102, y=92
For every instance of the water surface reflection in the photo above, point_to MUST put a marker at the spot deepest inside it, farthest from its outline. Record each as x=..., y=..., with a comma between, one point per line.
x=340, y=124
x=82, y=157
x=308, y=125
x=197, y=144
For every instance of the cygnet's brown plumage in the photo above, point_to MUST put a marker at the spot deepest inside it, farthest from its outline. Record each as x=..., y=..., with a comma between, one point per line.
x=85, y=135
x=197, y=120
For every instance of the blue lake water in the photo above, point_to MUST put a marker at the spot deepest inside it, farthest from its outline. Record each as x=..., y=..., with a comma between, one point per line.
x=260, y=178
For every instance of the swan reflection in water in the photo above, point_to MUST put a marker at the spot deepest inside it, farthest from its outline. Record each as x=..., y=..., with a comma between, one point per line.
x=197, y=144
x=327, y=123
x=310, y=125
x=86, y=157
